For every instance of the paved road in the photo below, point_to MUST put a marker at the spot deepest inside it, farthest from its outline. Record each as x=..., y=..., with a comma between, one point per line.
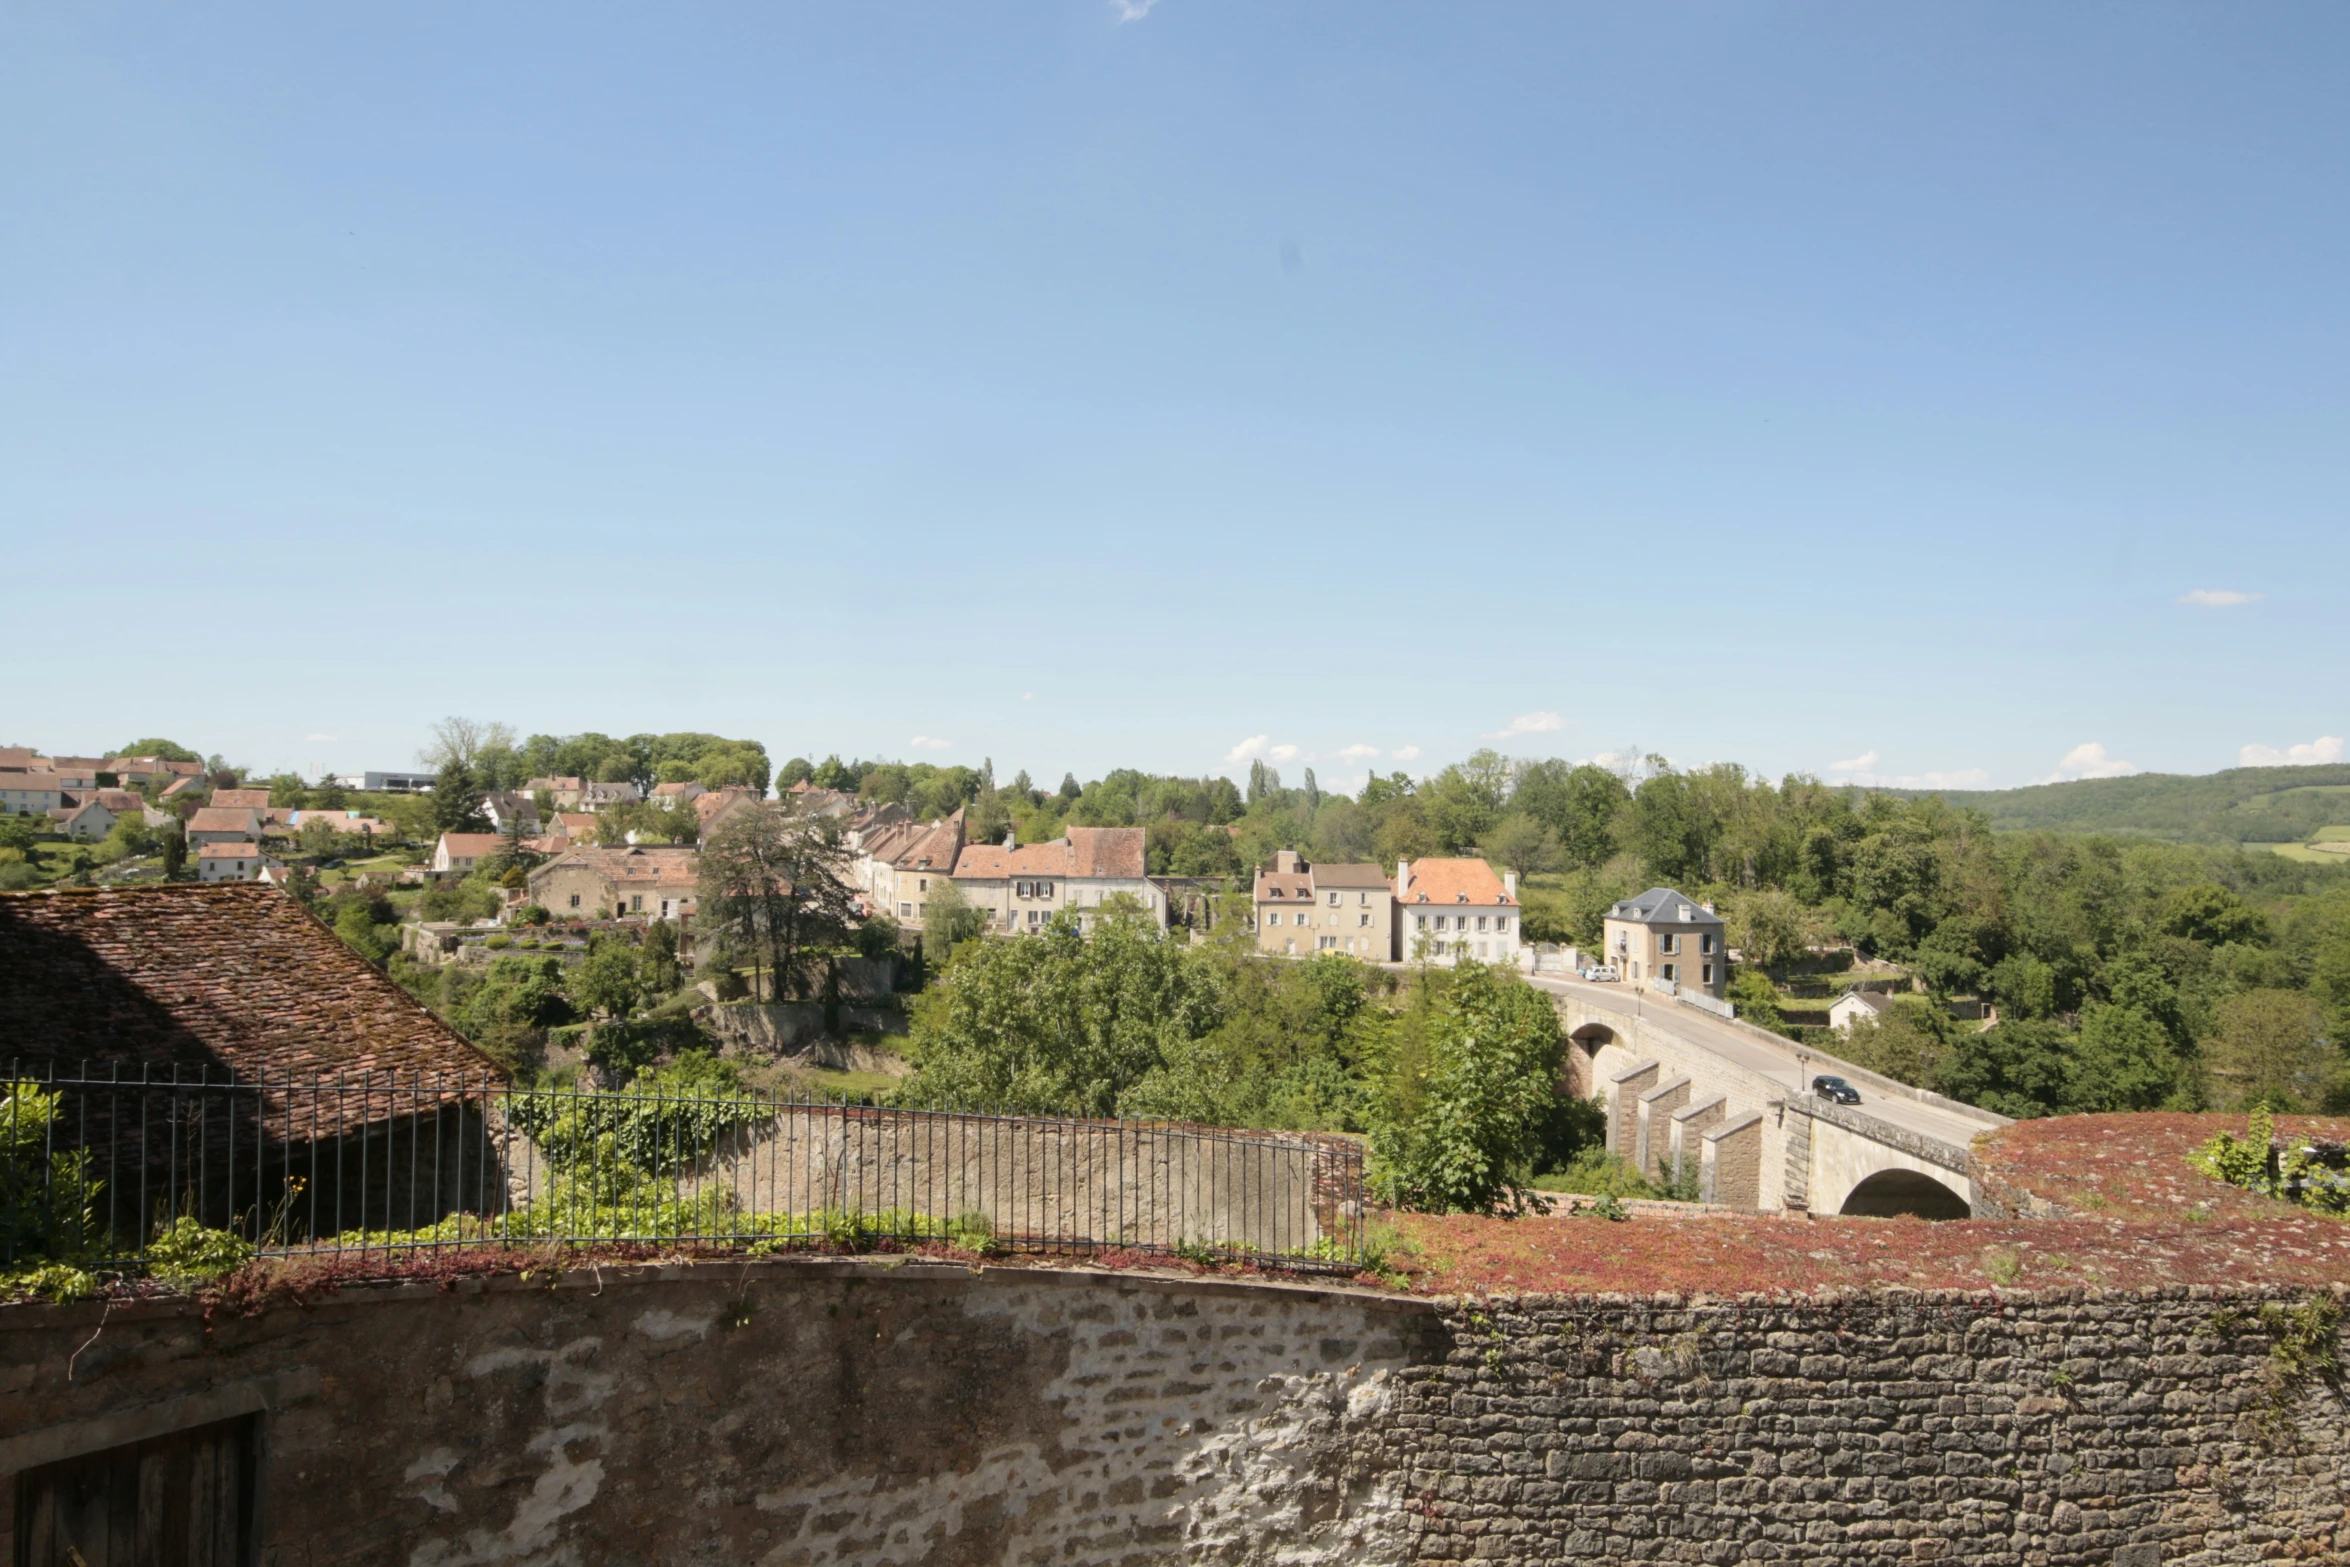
x=1773, y=1058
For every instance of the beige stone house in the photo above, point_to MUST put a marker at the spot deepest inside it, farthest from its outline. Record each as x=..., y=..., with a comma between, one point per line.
x=461, y=853
x=1020, y=887
x=243, y=861
x=223, y=824
x=640, y=881
x=1663, y=935
x=30, y=794
x=900, y=862
x=1304, y=908
x=1450, y=910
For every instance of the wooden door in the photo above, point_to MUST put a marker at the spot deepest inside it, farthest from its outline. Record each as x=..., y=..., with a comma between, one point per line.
x=183, y=1500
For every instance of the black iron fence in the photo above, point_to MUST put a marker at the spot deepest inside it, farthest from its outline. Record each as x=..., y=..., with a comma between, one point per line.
x=117, y=1165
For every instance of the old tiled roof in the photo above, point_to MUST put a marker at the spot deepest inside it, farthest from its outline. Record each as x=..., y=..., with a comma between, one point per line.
x=214, y=975
x=1285, y=886
x=119, y=800
x=235, y=849
x=39, y=783
x=224, y=818
x=916, y=846
x=1455, y=881
x=181, y=786
x=1086, y=853
x=671, y=791
x=256, y=798
x=637, y=868
x=579, y=824
x=1107, y=851
x=19, y=757
x=469, y=845
x=1335, y=874
x=551, y=785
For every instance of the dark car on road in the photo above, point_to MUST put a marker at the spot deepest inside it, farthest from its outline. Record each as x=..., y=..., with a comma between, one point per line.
x=1835, y=1090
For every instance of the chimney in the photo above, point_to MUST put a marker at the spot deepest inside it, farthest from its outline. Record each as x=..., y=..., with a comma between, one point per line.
x=1709, y=908
x=1285, y=860
x=1509, y=885
x=1011, y=837
x=1403, y=878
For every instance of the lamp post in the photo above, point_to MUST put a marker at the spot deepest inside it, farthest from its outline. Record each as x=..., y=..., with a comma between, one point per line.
x=1802, y=1069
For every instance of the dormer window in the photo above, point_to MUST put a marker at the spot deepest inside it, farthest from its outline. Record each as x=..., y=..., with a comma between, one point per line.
x=1460, y=897
x=1686, y=913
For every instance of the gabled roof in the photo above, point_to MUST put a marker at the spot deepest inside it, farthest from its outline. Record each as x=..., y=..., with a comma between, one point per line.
x=1663, y=906
x=1349, y=876
x=38, y=783
x=471, y=845
x=181, y=786
x=639, y=868
x=918, y=846
x=1875, y=1001
x=258, y=799
x=225, y=818
x=1285, y=886
x=234, y=849
x=206, y=974
x=1455, y=882
x=1086, y=853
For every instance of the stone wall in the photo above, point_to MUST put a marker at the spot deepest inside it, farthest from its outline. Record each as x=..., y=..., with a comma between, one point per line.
x=2051, y=1432
x=829, y=1412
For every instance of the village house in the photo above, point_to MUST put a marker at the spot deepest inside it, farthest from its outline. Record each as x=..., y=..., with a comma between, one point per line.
x=604, y=796
x=22, y=759
x=30, y=793
x=187, y=788
x=655, y=883
x=257, y=799
x=77, y=772
x=505, y=806
x=564, y=793
x=459, y=853
x=677, y=793
x=1304, y=908
x=713, y=808
x=1020, y=887
x=151, y=769
x=899, y=862
x=1855, y=1005
x=91, y=816
x=1665, y=938
x=1448, y=910
x=223, y=824
x=242, y=860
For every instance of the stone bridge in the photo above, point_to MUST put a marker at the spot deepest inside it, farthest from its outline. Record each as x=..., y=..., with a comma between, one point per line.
x=1730, y=1103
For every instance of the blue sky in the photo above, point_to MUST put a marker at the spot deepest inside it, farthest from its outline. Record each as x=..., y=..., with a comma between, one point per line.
x=1857, y=389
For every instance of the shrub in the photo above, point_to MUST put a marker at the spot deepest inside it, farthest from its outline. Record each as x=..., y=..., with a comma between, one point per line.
x=1459, y=1124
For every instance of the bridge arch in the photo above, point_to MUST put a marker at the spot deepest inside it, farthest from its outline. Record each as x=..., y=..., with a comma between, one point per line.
x=1895, y=1193
x=1578, y=1074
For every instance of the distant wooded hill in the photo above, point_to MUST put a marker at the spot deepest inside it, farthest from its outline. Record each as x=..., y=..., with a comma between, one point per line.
x=2241, y=805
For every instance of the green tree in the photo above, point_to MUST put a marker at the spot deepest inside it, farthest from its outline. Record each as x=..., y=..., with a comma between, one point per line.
x=948, y=920
x=1523, y=844
x=1580, y=804
x=161, y=750
x=2270, y=1052
x=1459, y=1121
x=172, y=842
x=657, y=962
x=2123, y=1059
x=774, y=884
x=456, y=799
x=1769, y=927
x=1756, y=998
x=1058, y=1022
x=606, y=983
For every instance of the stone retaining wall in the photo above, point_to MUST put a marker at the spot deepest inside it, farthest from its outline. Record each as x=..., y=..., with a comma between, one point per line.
x=829, y=1412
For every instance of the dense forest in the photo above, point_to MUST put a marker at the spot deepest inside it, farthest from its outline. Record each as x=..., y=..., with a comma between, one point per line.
x=2241, y=805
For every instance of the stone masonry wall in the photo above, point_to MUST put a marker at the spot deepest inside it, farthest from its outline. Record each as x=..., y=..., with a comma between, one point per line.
x=833, y=1412
x=2055, y=1432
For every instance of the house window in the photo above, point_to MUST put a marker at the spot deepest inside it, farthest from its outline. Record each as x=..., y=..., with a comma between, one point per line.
x=1668, y=944
x=1480, y=926
x=1334, y=900
x=1423, y=920
x=1705, y=943
x=636, y=902
x=1709, y=973
x=1044, y=889
x=922, y=885
x=1020, y=889
x=575, y=900
x=905, y=911
x=1666, y=971
x=1364, y=920
x=1501, y=922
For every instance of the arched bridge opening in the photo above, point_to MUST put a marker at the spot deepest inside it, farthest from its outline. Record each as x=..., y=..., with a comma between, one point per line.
x=1576, y=1073
x=1905, y=1193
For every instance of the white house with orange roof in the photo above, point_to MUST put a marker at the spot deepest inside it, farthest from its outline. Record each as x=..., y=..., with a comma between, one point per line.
x=233, y=861
x=1447, y=910
x=1020, y=887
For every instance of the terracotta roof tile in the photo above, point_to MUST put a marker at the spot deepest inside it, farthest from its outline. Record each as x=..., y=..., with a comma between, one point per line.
x=1455, y=881
x=223, y=818
x=469, y=845
x=194, y=974
x=258, y=799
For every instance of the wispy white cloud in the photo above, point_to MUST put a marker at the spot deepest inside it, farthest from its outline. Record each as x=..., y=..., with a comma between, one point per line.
x=2219, y=598
x=1357, y=753
x=1862, y=771
x=327, y=739
x=1027, y=696
x=2325, y=748
x=1131, y=10
x=1406, y=753
x=1248, y=750
x=2090, y=759
x=1282, y=753
x=930, y=743
x=1528, y=724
